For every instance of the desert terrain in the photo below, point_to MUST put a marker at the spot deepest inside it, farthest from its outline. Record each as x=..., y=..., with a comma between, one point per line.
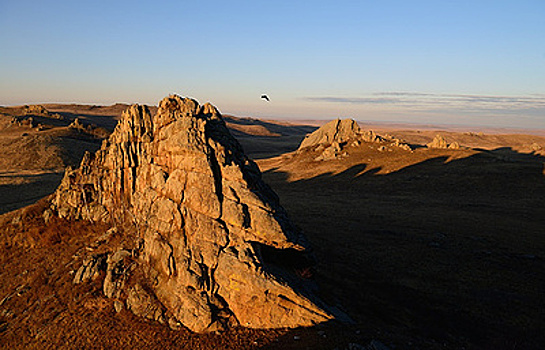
x=421, y=247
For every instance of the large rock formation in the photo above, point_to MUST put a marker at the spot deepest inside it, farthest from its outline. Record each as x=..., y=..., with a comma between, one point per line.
x=211, y=234
x=338, y=130
x=332, y=139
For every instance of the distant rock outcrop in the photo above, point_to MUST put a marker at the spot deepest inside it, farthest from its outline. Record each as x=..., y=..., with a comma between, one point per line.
x=207, y=231
x=338, y=130
x=332, y=139
x=440, y=142
x=39, y=110
x=77, y=125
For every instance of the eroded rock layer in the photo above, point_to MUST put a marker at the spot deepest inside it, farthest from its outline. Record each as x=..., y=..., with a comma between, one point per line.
x=203, y=217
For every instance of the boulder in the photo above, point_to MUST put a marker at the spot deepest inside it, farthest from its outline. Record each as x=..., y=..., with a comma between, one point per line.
x=535, y=147
x=370, y=136
x=331, y=152
x=91, y=268
x=454, y=145
x=117, y=273
x=201, y=218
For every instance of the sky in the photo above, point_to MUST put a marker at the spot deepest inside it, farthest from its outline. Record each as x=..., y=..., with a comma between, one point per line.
x=475, y=62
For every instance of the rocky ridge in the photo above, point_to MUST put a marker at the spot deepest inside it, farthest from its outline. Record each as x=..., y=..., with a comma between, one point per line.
x=208, y=238
x=334, y=139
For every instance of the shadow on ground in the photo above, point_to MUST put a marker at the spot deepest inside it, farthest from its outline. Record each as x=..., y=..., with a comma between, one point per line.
x=440, y=254
x=20, y=190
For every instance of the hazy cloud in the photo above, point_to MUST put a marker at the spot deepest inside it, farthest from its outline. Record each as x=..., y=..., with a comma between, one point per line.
x=401, y=93
x=427, y=101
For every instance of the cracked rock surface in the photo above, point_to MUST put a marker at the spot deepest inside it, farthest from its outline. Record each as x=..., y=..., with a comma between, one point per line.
x=203, y=217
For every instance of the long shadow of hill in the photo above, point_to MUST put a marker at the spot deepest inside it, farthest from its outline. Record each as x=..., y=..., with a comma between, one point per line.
x=22, y=187
x=277, y=128
x=14, y=196
x=287, y=139
x=440, y=252
x=106, y=121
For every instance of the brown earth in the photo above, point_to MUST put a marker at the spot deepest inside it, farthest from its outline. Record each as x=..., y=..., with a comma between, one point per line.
x=429, y=249
x=36, y=146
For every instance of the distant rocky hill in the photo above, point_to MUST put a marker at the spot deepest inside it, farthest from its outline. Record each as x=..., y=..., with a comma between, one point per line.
x=210, y=241
x=334, y=140
x=338, y=130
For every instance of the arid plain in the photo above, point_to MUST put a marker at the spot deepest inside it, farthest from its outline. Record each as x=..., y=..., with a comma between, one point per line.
x=422, y=247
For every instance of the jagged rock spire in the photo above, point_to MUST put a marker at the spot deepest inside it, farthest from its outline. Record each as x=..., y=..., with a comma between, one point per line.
x=206, y=221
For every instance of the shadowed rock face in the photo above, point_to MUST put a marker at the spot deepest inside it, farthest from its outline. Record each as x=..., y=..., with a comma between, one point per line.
x=203, y=216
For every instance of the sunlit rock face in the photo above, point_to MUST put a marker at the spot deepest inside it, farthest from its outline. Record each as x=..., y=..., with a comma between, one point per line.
x=334, y=140
x=203, y=217
x=335, y=131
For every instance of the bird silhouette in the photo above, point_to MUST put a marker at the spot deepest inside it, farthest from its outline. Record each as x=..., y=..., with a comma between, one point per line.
x=265, y=97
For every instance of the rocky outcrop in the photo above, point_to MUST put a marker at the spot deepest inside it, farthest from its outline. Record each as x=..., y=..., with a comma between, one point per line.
x=91, y=268
x=35, y=109
x=39, y=110
x=454, y=145
x=76, y=124
x=338, y=130
x=536, y=147
x=331, y=152
x=332, y=140
x=440, y=142
x=203, y=222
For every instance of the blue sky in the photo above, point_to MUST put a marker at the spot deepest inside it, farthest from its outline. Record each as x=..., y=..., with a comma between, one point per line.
x=456, y=62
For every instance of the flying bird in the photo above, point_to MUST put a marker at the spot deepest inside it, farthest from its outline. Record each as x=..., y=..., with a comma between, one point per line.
x=265, y=97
